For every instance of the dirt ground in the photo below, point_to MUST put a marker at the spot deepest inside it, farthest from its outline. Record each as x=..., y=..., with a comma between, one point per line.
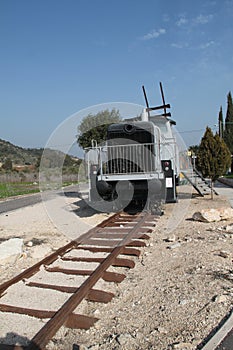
x=178, y=292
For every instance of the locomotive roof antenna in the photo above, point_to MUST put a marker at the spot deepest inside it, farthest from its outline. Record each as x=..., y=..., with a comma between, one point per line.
x=163, y=99
x=164, y=104
x=147, y=103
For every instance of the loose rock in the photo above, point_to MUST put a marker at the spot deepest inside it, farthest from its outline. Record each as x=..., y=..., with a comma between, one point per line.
x=10, y=250
x=224, y=254
x=173, y=246
x=171, y=238
x=220, y=298
x=228, y=228
x=182, y=346
x=38, y=252
x=211, y=215
x=123, y=339
x=29, y=244
x=161, y=330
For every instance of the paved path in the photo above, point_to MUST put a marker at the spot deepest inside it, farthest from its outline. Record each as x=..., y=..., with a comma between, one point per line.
x=223, y=339
x=224, y=191
x=227, y=342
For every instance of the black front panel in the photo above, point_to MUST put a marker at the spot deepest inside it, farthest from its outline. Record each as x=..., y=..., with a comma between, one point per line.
x=139, y=132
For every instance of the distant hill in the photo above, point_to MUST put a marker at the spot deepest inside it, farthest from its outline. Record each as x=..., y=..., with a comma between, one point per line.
x=31, y=156
x=19, y=155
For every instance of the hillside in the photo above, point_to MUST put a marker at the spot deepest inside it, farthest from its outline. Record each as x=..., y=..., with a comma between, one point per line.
x=31, y=156
x=19, y=155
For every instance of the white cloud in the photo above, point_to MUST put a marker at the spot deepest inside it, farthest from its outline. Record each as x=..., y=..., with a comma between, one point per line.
x=206, y=45
x=182, y=20
x=154, y=34
x=166, y=17
x=179, y=45
x=201, y=19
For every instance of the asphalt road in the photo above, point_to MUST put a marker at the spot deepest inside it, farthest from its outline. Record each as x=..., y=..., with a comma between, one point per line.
x=19, y=202
x=10, y=204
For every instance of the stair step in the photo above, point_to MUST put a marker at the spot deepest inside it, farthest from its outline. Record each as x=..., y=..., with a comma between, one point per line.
x=201, y=185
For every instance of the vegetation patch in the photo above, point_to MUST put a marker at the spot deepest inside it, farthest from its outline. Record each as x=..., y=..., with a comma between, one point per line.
x=12, y=189
x=16, y=188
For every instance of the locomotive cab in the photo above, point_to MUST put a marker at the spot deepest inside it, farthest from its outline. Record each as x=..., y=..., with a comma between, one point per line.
x=139, y=161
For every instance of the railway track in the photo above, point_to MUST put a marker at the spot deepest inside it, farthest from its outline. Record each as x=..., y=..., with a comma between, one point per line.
x=64, y=278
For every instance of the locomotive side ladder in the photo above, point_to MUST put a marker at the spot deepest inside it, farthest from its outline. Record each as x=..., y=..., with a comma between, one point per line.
x=198, y=182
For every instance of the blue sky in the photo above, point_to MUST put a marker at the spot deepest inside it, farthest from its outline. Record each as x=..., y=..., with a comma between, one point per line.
x=58, y=57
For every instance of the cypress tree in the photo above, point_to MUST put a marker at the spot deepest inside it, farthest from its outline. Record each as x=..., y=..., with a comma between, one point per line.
x=228, y=133
x=214, y=157
x=220, y=123
x=223, y=157
x=205, y=154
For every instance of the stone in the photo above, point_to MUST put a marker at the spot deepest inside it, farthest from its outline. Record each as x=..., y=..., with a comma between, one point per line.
x=161, y=330
x=226, y=213
x=213, y=215
x=97, y=326
x=171, y=238
x=224, y=254
x=97, y=312
x=220, y=298
x=39, y=252
x=228, y=228
x=182, y=346
x=206, y=215
x=10, y=250
x=125, y=338
x=173, y=246
x=79, y=347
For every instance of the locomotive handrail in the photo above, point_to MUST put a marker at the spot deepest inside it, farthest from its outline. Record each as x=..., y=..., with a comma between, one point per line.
x=129, y=158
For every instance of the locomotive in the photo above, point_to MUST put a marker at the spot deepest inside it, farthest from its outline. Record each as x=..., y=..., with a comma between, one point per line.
x=139, y=162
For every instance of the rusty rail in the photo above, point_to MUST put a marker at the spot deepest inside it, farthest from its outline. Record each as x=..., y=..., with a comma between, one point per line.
x=118, y=235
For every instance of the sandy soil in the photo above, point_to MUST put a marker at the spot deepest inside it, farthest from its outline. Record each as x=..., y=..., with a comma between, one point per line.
x=179, y=290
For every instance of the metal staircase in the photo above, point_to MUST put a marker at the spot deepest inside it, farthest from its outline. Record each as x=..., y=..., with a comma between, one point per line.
x=195, y=178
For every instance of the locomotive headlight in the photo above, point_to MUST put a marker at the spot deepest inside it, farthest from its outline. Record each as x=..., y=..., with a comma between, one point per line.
x=166, y=166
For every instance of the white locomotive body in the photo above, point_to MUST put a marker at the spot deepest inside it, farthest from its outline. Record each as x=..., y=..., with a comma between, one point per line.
x=139, y=162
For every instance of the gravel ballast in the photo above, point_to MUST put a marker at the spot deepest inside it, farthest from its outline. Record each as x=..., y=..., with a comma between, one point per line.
x=179, y=291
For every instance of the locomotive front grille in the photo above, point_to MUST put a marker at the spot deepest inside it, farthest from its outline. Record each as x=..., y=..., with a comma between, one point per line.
x=130, y=159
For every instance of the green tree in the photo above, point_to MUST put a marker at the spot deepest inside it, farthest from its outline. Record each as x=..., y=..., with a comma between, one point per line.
x=94, y=127
x=7, y=165
x=223, y=156
x=228, y=133
x=194, y=149
x=220, y=123
x=214, y=157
